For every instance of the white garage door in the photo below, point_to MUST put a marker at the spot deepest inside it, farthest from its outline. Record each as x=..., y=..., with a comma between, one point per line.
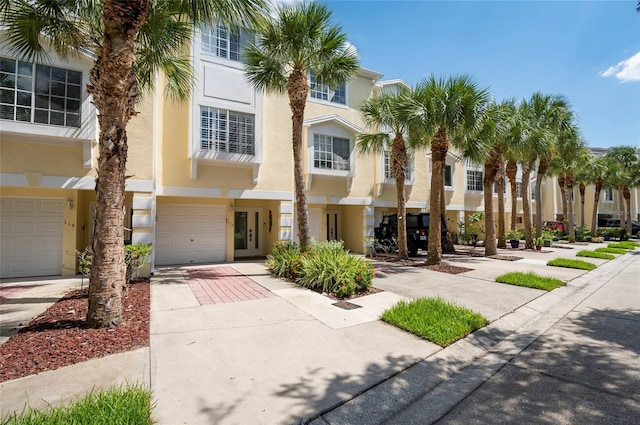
x=190, y=234
x=31, y=235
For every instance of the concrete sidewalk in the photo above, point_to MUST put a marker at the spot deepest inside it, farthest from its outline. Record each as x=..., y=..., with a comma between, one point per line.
x=295, y=357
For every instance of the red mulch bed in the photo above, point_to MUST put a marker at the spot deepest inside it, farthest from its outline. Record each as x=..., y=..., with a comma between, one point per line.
x=59, y=337
x=443, y=267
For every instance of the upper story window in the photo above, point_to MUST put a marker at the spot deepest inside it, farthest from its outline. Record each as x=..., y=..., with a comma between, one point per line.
x=331, y=153
x=39, y=94
x=608, y=194
x=226, y=131
x=224, y=42
x=322, y=92
x=408, y=169
x=518, y=189
x=448, y=176
x=474, y=180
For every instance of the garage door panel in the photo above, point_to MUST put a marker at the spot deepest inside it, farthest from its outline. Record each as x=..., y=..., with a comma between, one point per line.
x=31, y=234
x=190, y=234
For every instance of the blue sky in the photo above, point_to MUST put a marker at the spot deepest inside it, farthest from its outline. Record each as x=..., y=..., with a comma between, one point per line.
x=583, y=50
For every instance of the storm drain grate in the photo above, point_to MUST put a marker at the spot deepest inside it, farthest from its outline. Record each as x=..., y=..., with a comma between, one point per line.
x=346, y=305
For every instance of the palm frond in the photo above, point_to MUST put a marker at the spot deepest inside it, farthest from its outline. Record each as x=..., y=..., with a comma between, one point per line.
x=368, y=143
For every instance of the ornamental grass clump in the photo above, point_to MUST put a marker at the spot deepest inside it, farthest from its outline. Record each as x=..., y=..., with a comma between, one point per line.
x=325, y=267
x=285, y=260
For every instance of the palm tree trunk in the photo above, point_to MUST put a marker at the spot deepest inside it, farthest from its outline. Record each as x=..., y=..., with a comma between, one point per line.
x=448, y=247
x=490, y=247
x=502, y=242
x=626, y=193
x=398, y=164
x=297, y=89
x=542, y=170
x=112, y=81
x=596, y=200
x=439, y=148
x=563, y=195
x=583, y=189
x=569, y=179
x=526, y=206
x=512, y=170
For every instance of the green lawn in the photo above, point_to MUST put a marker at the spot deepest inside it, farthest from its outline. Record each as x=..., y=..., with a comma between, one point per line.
x=571, y=264
x=611, y=250
x=126, y=404
x=530, y=280
x=624, y=245
x=593, y=254
x=434, y=319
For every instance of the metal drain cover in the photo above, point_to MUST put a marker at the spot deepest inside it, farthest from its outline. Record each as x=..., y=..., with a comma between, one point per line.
x=346, y=305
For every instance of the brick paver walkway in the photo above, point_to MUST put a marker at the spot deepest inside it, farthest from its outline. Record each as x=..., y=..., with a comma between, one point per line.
x=219, y=285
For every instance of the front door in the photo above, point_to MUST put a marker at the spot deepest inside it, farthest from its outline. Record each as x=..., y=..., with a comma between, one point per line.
x=333, y=225
x=247, y=240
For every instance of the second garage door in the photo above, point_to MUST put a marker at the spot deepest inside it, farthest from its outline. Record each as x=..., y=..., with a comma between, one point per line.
x=190, y=234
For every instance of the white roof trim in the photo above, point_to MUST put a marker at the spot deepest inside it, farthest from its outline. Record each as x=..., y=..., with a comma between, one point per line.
x=337, y=118
x=397, y=81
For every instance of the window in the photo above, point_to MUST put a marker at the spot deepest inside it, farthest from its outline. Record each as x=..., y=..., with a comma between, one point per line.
x=408, y=169
x=39, y=94
x=225, y=42
x=532, y=187
x=330, y=153
x=518, y=189
x=608, y=194
x=474, y=180
x=448, y=176
x=226, y=131
x=322, y=92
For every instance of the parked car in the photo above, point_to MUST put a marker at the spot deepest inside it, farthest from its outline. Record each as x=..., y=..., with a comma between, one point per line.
x=553, y=225
x=417, y=231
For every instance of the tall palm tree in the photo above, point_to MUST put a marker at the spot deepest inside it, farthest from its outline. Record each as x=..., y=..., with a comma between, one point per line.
x=511, y=170
x=299, y=40
x=130, y=41
x=570, y=157
x=596, y=174
x=544, y=116
x=586, y=175
x=385, y=116
x=496, y=132
x=452, y=110
x=626, y=176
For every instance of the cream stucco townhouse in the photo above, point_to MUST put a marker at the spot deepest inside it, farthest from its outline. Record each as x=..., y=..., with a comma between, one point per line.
x=211, y=178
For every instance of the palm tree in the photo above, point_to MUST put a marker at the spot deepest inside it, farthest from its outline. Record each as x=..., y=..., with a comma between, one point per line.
x=496, y=132
x=451, y=110
x=544, y=116
x=130, y=41
x=596, y=174
x=586, y=175
x=571, y=153
x=625, y=177
x=385, y=115
x=300, y=40
x=511, y=170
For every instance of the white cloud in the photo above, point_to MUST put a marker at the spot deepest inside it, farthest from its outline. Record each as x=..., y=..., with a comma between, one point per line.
x=626, y=70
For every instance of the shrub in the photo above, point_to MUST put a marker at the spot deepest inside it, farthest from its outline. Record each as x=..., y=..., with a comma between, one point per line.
x=330, y=268
x=583, y=234
x=285, y=260
x=135, y=256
